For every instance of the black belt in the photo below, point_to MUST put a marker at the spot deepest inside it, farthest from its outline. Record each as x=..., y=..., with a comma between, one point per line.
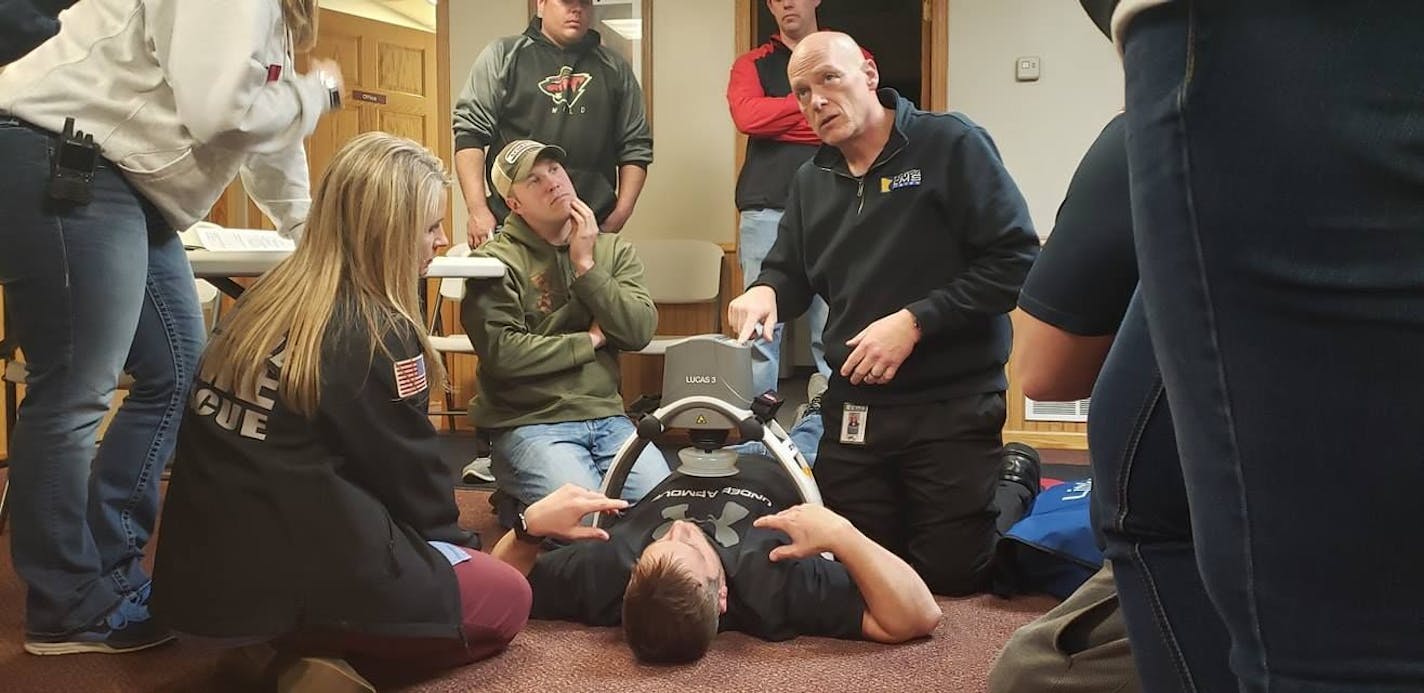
x=12, y=120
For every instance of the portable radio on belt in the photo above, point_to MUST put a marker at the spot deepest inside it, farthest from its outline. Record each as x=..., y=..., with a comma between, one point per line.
x=72, y=166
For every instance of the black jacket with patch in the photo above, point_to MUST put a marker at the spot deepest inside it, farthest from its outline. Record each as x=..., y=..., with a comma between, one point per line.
x=936, y=226
x=276, y=522
x=584, y=99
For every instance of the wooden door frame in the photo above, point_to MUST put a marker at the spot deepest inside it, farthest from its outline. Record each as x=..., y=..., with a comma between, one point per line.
x=934, y=63
x=935, y=18
x=447, y=125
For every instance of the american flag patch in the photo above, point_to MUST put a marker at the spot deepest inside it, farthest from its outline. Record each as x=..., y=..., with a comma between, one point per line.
x=410, y=376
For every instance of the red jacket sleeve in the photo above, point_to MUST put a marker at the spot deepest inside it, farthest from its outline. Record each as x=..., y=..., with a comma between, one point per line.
x=759, y=115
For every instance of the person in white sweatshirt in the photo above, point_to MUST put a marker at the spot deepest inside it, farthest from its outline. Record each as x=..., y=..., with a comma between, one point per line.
x=179, y=97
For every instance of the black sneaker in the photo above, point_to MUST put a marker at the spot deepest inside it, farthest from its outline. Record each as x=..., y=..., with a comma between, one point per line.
x=127, y=628
x=1021, y=464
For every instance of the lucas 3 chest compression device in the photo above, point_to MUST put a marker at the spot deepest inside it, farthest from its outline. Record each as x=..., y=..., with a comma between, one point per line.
x=707, y=390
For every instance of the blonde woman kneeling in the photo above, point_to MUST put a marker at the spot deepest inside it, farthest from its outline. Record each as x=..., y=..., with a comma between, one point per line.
x=309, y=506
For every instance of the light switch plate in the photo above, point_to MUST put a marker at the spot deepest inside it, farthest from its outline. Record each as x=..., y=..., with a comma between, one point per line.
x=1026, y=69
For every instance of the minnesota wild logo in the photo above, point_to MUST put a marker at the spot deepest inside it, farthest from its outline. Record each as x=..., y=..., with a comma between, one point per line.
x=565, y=88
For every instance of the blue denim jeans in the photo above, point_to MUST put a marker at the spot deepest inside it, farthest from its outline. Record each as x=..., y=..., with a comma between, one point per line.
x=1140, y=514
x=805, y=435
x=532, y=461
x=1277, y=162
x=92, y=291
x=758, y=233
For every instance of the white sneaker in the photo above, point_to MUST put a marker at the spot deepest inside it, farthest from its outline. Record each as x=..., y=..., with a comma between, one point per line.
x=815, y=387
x=478, y=471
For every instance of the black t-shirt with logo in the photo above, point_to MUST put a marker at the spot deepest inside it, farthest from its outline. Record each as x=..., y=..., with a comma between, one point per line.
x=585, y=581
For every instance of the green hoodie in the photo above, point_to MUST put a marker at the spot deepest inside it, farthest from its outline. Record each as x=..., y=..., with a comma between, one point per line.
x=530, y=329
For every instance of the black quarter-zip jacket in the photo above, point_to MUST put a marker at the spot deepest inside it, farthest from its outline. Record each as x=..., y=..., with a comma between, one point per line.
x=936, y=226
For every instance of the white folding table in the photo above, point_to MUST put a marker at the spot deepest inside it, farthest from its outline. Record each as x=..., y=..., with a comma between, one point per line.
x=219, y=267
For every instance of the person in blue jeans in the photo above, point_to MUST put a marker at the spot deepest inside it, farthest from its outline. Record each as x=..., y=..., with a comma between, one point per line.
x=548, y=335
x=1083, y=333
x=97, y=284
x=805, y=435
x=758, y=232
x=1276, y=152
x=779, y=141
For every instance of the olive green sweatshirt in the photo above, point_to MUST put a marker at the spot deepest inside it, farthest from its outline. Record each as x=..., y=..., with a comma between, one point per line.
x=530, y=329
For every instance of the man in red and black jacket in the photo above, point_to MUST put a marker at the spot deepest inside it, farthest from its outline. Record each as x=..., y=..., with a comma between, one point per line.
x=778, y=142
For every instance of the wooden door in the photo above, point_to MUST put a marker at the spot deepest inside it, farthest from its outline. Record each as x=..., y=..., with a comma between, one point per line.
x=391, y=85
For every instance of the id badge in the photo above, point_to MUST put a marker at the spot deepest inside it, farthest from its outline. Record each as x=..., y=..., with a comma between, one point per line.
x=853, y=420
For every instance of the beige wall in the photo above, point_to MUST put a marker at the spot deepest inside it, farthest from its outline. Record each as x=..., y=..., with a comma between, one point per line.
x=473, y=24
x=1042, y=128
x=689, y=189
x=373, y=10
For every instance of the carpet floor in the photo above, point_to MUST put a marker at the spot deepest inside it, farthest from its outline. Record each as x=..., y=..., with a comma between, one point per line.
x=555, y=656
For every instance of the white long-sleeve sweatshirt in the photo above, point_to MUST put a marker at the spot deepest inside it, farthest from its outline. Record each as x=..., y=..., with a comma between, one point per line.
x=182, y=95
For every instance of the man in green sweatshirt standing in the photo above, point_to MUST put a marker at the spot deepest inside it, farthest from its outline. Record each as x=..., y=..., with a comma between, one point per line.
x=549, y=332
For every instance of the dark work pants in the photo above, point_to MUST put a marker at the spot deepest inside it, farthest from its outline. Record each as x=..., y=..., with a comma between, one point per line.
x=925, y=485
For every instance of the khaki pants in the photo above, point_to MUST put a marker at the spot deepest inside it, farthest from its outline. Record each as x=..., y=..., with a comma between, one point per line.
x=1081, y=645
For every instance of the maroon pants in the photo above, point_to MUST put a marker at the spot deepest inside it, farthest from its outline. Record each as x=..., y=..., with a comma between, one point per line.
x=494, y=599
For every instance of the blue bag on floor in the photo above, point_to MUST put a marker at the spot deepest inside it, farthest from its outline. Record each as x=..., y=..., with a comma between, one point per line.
x=1052, y=549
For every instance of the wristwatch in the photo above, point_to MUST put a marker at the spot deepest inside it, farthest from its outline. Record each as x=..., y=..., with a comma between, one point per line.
x=521, y=532
x=333, y=91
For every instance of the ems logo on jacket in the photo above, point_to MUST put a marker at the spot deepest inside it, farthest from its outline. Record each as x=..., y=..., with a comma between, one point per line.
x=565, y=88
x=410, y=376
x=908, y=179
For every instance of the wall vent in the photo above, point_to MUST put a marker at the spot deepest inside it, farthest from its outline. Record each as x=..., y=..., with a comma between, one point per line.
x=1067, y=412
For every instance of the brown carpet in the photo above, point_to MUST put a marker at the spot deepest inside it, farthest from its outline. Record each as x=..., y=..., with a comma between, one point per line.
x=553, y=656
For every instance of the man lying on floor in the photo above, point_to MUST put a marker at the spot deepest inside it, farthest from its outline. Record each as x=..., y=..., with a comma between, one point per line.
x=703, y=554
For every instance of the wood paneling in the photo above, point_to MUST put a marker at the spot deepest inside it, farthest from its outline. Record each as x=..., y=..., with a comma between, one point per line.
x=395, y=71
x=401, y=69
x=460, y=368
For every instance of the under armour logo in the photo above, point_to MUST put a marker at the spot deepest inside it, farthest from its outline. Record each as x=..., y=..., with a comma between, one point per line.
x=732, y=513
